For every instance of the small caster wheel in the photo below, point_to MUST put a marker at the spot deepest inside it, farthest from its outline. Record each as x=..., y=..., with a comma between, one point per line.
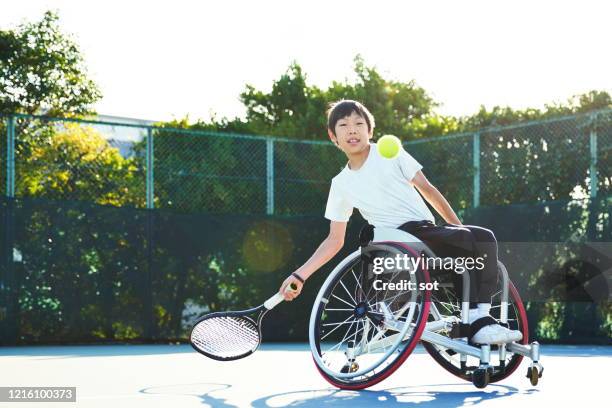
x=350, y=368
x=481, y=377
x=533, y=375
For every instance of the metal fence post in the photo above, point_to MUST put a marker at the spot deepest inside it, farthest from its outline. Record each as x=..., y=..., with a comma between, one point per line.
x=593, y=167
x=269, y=176
x=9, y=307
x=149, y=163
x=148, y=318
x=476, y=165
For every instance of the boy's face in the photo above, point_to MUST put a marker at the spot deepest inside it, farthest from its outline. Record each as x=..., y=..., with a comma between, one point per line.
x=351, y=134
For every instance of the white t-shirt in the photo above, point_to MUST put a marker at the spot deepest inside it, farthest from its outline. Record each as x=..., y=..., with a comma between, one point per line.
x=380, y=189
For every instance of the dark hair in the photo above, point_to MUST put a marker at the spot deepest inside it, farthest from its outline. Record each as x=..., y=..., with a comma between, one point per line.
x=341, y=109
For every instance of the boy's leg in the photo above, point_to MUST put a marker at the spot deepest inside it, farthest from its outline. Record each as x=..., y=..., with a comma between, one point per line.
x=466, y=240
x=459, y=240
x=450, y=241
x=485, y=246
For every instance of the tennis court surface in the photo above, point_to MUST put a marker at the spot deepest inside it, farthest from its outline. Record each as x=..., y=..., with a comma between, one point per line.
x=281, y=375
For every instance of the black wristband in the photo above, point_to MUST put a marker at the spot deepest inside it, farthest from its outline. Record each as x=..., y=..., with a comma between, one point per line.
x=298, y=277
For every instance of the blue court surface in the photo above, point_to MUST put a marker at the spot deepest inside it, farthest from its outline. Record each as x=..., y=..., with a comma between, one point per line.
x=281, y=375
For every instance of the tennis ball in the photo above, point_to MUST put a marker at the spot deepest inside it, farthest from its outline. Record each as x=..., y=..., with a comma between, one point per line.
x=389, y=146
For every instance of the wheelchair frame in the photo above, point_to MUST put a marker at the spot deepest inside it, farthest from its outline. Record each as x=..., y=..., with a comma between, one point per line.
x=480, y=376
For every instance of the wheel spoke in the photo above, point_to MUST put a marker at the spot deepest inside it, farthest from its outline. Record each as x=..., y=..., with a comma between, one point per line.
x=336, y=324
x=344, y=301
x=358, y=283
x=341, y=341
x=335, y=328
x=347, y=292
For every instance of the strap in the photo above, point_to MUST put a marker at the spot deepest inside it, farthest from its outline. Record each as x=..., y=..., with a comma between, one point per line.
x=298, y=277
x=459, y=330
x=480, y=323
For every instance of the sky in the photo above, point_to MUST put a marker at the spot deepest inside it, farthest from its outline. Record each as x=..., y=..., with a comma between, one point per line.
x=160, y=60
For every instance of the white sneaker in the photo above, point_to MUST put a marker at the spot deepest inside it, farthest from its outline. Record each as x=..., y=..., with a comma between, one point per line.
x=496, y=334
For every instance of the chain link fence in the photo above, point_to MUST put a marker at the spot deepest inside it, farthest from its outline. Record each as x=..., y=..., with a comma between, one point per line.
x=448, y=162
x=75, y=161
x=208, y=172
x=601, y=146
x=302, y=176
x=82, y=260
x=188, y=171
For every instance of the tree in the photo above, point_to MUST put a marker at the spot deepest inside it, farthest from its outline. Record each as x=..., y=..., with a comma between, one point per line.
x=77, y=163
x=292, y=109
x=394, y=104
x=42, y=71
x=296, y=110
x=500, y=116
x=78, y=253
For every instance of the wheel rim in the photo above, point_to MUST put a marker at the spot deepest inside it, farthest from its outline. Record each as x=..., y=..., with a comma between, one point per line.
x=352, y=317
x=517, y=320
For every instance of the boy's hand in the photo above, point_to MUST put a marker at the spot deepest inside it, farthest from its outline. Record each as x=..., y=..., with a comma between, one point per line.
x=291, y=294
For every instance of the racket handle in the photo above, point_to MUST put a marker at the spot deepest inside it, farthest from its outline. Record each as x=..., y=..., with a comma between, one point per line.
x=278, y=298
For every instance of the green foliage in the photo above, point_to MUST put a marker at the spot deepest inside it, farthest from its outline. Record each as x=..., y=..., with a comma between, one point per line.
x=208, y=172
x=394, y=104
x=291, y=109
x=297, y=110
x=447, y=164
x=500, y=116
x=76, y=163
x=294, y=109
x=82, y=278
x=42, y=71
x=539, y=163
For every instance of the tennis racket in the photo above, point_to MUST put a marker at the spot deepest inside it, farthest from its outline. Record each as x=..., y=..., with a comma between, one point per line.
x=226, y=336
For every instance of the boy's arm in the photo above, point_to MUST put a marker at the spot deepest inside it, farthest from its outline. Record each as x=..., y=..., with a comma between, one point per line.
x=326, y=251
x=435, y=198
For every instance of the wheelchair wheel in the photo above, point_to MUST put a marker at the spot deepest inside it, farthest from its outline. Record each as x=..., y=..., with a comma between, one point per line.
x=448, y=303
x=359, y=333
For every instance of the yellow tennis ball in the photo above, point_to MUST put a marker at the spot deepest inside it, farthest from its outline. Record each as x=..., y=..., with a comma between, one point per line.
x=389, y=146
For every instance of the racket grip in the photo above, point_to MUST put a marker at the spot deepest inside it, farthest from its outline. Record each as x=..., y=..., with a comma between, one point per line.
x=278, y=298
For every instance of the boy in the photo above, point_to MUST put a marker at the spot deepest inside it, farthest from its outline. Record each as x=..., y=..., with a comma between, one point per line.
x=385, y=193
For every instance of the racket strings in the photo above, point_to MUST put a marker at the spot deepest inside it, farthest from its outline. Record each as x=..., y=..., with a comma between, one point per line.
x=225, y=336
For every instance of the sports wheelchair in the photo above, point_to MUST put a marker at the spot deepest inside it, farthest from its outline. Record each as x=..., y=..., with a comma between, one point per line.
x=359, y=335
